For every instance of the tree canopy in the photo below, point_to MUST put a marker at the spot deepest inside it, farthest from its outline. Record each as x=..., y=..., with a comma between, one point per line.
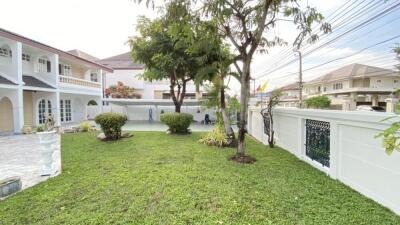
x=250, y=27
x=177, y=46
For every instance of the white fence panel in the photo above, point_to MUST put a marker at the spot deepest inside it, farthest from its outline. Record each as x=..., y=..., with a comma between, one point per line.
x=356, y=156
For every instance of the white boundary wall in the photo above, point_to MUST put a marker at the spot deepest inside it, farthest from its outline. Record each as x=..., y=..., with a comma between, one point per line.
x=356, y=157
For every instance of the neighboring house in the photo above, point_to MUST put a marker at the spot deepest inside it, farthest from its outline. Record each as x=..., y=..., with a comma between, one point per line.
x=155, y=97
x=361, y=84
x=38, y=80
x=289, y=95
x=128, y=72
x=351, y=85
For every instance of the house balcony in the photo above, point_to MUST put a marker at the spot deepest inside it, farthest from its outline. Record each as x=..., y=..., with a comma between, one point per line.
x=76, y=85
x=362, y=90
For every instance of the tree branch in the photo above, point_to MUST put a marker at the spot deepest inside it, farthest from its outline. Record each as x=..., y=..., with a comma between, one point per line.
x=261, y=27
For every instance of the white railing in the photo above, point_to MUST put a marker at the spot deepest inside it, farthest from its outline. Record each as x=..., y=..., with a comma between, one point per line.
x=80, y=82
x=356, y=157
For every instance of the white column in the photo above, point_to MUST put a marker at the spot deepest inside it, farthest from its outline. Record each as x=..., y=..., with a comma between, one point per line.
x=100, y=79
x=391, y=104
x=18, y=111
x=17, y=61
x=334, y=150
x=375, y=100
x=55, y=72
x=301, y=152
x=348, y=104
x=57, y=113
x=19, y=101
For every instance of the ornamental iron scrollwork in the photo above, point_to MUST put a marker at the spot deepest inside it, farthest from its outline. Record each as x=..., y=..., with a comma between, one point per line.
x=318, y=141
x=267, y=122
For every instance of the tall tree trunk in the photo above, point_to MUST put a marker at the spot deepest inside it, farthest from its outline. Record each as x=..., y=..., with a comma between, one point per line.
x=271, y=128
x=244, y=100
x=227, y=122
x=174, y=98
x=177, y=108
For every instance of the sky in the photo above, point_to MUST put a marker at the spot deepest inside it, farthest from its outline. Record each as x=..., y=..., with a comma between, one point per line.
x=102, y=27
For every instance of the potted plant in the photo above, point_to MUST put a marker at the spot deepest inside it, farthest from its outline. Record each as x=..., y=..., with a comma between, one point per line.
x=47, y=140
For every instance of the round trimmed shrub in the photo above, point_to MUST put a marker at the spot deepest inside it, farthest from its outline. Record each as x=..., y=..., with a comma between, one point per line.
x=177, y=122
x=111, y=124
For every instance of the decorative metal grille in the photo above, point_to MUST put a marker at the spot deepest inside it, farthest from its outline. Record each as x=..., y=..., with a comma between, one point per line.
x=266, y=123
x=318, y=141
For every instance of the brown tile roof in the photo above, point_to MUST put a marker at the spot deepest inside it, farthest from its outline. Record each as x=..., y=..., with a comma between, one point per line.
x=354, y=71
x=83, y=55
x=36, y=44
x=122, y=62
x=292, y=86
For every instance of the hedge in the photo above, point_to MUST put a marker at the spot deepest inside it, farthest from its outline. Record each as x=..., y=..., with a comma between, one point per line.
x=111, y=124
x=177, y=122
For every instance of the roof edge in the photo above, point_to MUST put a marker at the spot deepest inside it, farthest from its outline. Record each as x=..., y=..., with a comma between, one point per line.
x=28, y=41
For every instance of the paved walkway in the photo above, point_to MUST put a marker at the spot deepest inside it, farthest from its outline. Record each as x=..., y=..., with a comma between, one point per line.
x=20, y=156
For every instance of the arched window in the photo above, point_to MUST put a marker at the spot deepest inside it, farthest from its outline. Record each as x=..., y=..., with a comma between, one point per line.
x=43, y=65
x=44, y=110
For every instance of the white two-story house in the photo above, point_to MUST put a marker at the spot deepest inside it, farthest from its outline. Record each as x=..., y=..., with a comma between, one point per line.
x=362, y=84
x=37, y=80
x=151, y=99
x=128, y=72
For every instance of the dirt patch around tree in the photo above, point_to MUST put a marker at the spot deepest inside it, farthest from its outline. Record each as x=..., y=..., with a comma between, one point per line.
x=243, y=159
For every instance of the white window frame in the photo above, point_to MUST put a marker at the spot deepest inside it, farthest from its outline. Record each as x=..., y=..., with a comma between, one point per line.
x=337, y=86
x=42, y=65
x=44, y=107
x=65, y=110
x=66, y=70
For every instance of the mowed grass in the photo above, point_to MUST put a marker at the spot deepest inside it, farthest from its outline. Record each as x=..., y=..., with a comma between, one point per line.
x=155, y=178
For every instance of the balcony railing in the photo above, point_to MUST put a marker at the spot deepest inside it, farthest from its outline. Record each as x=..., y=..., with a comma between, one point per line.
x=80, y=82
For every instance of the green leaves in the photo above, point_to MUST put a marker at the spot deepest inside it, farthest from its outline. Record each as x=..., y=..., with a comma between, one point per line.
x=318, y=102
x=391, y=137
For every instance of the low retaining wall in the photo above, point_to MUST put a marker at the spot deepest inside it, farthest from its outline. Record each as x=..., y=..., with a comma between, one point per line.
x=356, y=157
x=22, y=156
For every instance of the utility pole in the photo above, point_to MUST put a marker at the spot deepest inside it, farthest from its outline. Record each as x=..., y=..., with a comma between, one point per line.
x=300, y=78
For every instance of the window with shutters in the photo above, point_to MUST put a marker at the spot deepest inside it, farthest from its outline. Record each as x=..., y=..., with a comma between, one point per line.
x=5, y=52
x=42, y=65
x=26, y=57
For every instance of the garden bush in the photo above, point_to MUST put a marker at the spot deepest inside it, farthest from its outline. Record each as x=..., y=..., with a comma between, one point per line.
x=216, y=137
x=177, y=122
x=318, y=102
x=85, y=127
x=111, y=124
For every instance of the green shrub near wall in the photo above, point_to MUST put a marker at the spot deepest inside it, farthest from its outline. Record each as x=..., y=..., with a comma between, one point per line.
x=318, y=102
x=177, y=122
x=111, y=124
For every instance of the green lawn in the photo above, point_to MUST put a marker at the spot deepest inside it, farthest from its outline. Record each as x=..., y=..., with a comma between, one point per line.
x=155, y=178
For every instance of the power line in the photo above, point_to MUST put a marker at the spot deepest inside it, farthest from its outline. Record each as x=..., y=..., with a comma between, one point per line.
x=359, y=26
